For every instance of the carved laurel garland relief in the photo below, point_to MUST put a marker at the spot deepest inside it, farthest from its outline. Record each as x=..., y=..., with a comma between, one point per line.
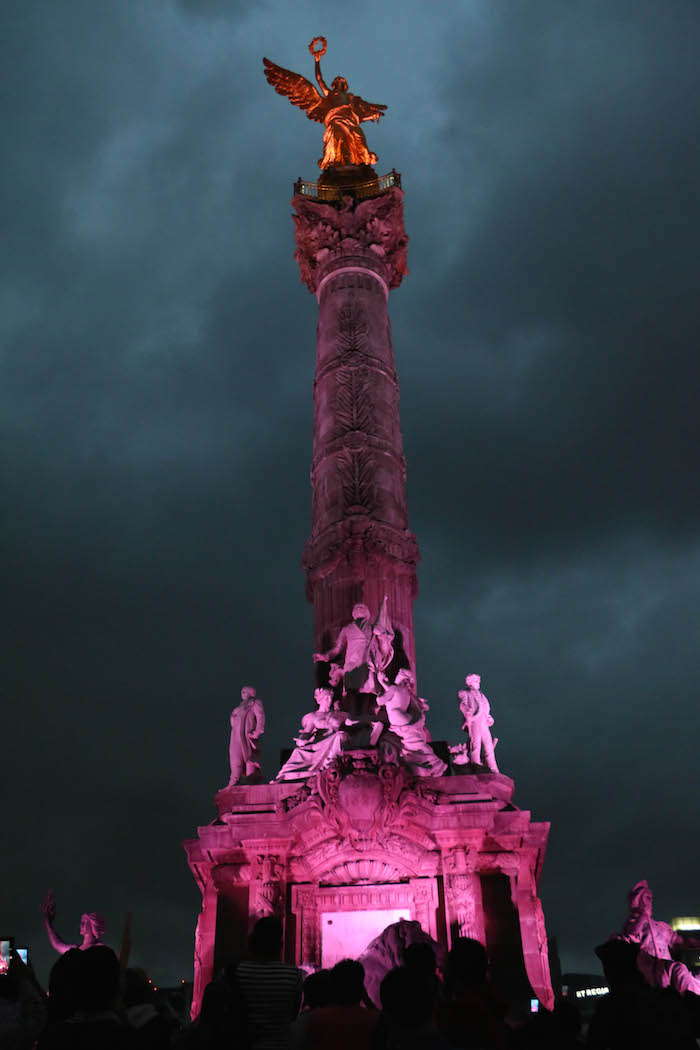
x=354, y=409
x=462, y=891
x=355, y=470
x=353, y=328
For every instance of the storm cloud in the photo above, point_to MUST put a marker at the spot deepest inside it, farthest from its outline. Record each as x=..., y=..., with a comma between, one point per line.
x=157, y=355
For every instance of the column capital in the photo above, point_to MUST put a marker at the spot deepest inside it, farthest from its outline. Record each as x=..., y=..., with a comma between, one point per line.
x=353, y=236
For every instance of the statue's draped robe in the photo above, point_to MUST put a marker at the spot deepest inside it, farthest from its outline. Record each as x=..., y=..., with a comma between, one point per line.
x=323, y=744
x=407, y=723
x=381, y=646
x=343, y=140
x=247, y=723
x=342, y=113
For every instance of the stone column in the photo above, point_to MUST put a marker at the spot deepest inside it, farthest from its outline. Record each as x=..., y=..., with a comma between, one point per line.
x=267, y=887
x=204, y=942
x=267, y=872
x=463, y=898
x=360, y=548
x=534, y=936
x=425, y=902
x=305, y=909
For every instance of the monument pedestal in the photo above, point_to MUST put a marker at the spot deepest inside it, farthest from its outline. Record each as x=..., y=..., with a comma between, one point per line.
x=362, y=844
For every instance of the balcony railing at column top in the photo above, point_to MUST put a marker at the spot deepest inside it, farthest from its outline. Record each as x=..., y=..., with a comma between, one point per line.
x=359, y=190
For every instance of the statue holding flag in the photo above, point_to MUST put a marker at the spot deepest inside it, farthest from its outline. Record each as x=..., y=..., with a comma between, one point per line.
x=367, y=648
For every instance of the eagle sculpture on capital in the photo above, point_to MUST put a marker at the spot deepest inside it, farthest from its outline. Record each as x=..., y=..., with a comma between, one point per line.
x=336, y=107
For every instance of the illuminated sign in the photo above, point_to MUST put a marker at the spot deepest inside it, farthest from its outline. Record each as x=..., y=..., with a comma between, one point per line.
x=584, y=993
x=685, y=922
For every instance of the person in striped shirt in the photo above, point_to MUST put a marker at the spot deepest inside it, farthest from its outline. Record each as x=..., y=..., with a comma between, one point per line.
x=270, y=988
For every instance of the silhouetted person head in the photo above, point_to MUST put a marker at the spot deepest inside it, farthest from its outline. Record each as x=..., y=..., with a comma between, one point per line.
x=467, y=963
x=568, y=1018
x=137, y=988
x=318, y=989
x=63, y=983
x=636, y=1014
x=348, y=982
x=619, y=959
x=98, y=984
x=214, y=1005
x=407, y=1000
x=420, y=957
x=266, y=939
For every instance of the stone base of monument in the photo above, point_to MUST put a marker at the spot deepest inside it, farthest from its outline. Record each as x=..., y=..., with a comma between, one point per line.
x=362, y=844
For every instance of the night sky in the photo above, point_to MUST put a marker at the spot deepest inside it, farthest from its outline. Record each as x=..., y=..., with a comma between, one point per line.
x=157, y=364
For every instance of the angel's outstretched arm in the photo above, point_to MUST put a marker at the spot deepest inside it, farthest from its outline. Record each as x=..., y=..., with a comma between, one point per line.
x=319, y=76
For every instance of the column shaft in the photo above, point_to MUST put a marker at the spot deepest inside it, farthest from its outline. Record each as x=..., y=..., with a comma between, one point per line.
x=360, y=546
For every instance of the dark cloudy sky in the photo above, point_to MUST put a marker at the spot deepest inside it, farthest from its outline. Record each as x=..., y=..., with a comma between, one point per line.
x=157, y=362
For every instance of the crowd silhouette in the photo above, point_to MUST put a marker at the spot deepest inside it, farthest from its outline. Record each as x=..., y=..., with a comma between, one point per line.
x=261, y=1003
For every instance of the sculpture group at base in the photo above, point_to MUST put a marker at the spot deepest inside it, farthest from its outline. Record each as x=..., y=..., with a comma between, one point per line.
x=381, y=713
x=364, y=707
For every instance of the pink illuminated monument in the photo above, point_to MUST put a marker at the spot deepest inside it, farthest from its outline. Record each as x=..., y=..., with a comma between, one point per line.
x=366, y=835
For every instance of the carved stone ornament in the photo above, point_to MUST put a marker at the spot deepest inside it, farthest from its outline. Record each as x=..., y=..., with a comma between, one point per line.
x=297, y=798
x=267, y=868
x=229, y=874
x=353, y=404
x=362, y=798
x=364, y=872
x=352, y=333
x=462, y=899
x=364, y=810
x=327, y=236
x=506, y=862
x=429, y=794
x=371, y=541
x=459, y=860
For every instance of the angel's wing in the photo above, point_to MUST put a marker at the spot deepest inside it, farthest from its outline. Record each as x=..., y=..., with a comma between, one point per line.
x=367, y=110
x=297, y=88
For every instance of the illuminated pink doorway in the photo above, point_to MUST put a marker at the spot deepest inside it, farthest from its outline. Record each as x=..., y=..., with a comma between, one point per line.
x=346, y=934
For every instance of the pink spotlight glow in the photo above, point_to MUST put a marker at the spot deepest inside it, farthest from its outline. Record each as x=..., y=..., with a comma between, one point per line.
x=346, y=934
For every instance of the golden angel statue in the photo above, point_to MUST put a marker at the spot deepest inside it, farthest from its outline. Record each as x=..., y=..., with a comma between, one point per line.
x=335, y=106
